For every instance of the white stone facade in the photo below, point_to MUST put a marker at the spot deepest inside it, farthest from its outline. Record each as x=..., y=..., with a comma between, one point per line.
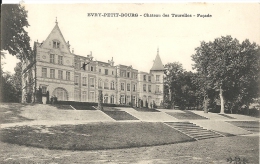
x=54, y=68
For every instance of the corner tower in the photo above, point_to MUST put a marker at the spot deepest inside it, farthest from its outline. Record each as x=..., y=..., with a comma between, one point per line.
x=158, y=71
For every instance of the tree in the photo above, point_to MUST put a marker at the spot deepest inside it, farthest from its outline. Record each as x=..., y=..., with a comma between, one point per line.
x=17, y=79
x=14, y=38
x=228, y=65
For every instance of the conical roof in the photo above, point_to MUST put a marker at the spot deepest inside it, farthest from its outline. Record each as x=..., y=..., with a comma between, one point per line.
x=157, y=64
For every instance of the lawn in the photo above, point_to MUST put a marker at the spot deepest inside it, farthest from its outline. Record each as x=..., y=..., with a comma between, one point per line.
x=146, y=109
x=187, y=115
x=10, y=113
x=120, y=115
x=96, y=136
x=252, y=126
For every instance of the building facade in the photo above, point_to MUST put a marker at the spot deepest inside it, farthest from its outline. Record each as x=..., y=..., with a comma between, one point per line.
x=56, y=70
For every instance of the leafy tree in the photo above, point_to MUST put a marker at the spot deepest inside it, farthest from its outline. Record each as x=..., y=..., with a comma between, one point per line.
x=14, y=38
x=229, y=66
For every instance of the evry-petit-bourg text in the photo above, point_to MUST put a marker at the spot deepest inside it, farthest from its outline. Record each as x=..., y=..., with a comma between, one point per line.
x=185, y=15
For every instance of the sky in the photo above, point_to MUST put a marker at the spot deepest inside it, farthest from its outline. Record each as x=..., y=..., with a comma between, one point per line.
x=135, y=40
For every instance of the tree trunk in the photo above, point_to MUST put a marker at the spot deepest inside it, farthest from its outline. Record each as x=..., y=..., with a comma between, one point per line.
x=221, y=101
x=205, y=105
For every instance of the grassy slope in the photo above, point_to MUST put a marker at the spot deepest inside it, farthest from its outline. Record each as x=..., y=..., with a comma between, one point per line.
x=94, y=136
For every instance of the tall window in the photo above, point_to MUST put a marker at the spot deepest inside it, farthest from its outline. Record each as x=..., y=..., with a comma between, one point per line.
x=134, y=87
x=122, y=99
x=106, y=71
x=77, y=65
x=128, y=74
x=44, y=72
x=112, y=87
x=76, y=95
x=105, y=100
x=106, y=84
x=149, y=88
x=92, y=68
x=44, y=89
x=157, y=90
x=60, y=74
x=122, y=86
x=84, y=96
x=144, y=87
x=67, y=75
x=84, y=81
x=149, y=78
x=52, y=73
x=128, y=87
x=112, y=99
x=76, y=80
x=60, y=60
x=157, y=77
x=56, y=44
x=92, y=96
x=112, y=72
x=92, y=82
x=100, y=84
x=52, y=58
x=144, y=77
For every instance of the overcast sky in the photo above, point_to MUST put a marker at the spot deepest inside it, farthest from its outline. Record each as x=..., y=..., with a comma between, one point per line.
x=134, y=40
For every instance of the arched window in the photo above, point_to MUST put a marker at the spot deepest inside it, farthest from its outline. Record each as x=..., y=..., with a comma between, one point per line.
x=112, y=99
x=105, y=98
x=61, y=94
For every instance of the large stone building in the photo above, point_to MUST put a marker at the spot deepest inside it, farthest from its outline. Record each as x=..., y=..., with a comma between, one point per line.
x=56, y=70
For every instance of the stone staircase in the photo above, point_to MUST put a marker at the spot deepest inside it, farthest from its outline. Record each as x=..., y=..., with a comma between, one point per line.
x=193, y=130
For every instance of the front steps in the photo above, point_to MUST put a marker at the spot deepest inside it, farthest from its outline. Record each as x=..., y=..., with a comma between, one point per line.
x=193, y=130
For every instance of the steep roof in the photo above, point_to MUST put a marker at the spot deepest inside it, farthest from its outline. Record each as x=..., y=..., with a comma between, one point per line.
x=157, y=64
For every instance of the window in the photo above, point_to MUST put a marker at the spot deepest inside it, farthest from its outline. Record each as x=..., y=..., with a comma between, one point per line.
x=92, y=96
x=84, y=96
x=157, y=90
x=60, y=74
x=144, y=87
x=99, y=70
x=44, y=89
x=84, y=81
x=128, y=74
x=149, y=78
x=122, y=73
x=122, y=86
x=144, y=77
x=106, y=84
x=76, y=95
x=128, y=87
x=105, y=100
x=67, y=75
x=60, y=60
x=122, y=99
x=149, y=88
x=157, y=77
x=112, y=85
x=52, y=73
x=134, y=87
x=76, y=80
x=56, y=44
x=44, y=72
x=92, y=68
x=112, y=99
x=92, y=82
x=77, y=65
x=112, y=72
x=100, y=84
x=106, y=71
x=52, y=57
x=128, y=99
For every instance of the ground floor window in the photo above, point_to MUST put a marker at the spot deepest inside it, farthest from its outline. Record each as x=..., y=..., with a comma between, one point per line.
x=84, y=96
x=106, y=98
x=122, y=99
x=92, y=96
x=112, y=99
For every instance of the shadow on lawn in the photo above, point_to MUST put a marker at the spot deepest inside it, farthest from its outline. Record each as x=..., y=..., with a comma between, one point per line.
x=10, y=113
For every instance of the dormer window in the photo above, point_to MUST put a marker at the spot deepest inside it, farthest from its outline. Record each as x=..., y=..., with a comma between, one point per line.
x=56, y=44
